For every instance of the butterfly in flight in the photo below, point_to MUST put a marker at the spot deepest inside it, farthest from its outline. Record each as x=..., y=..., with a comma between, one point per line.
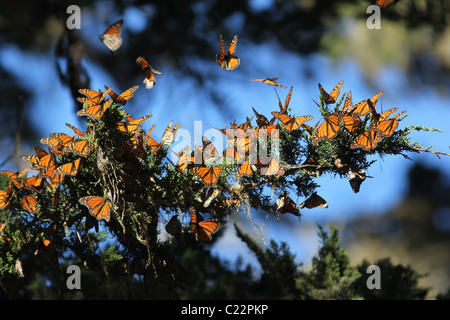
x=228, y=61
x=271, y=81
x=203, y=229
x=150, y=79
x=111, y=37
x=99, y=207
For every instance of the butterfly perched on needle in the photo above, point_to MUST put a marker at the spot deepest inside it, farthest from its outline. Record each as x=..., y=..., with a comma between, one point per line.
x=150, y=79
x=291, y=123
x=228, y=61
x=111, y=37
x=203, y=229
x=124, y=96
x=271, y=81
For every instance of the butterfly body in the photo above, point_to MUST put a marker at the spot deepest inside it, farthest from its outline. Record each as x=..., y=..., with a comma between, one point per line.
x=111, y=37
x=228, y=61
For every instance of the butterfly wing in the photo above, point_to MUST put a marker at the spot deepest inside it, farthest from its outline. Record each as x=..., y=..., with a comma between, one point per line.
x=314, y=201
x=328, y=129
x=99, y=207
x=367, y=140
x=331, y=97
x=362, y=108
x=111, y=37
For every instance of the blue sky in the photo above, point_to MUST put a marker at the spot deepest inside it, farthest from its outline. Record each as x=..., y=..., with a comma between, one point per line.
x=184, y=102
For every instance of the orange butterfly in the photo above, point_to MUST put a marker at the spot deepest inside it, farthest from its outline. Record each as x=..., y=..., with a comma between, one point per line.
x=291, y=124
x=150, y=79
x=111, y=37
x=386, y=3
x=284, y=204
x=5, y=197
x=70, y=168
x=124, y=96
x=34, y=160
x=328, y=129
x=245, y=169
x=95, y=111
x=29, y=203
x=99, y=207
x=351, y=121
x=331, y=97
x=77, y=131
x=91, y=97
x=387, y=127
x=209, y=175
x=168, y=136
x=57, y=141
x=203, y=229
x=272, y=168
x=362, y=108
x=228, y=61
x=50, y=173
x=80, y=147
x=314, y=201
x=132, y=125
x=271, y=81
x=367, y=140
x=186, y=159
x=283, y=109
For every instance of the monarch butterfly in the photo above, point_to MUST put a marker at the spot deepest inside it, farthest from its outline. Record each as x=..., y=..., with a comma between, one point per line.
x=132, y=125
x=45, y=162
x=5, y=198
x=386, y=3
x=261, y=120
x=111, y=37
x=367, y=140
x=350, y=120
x=203, y=229
x=50, y=173
x=291, y=124
x=271, y=81
x=283, y=109
x=284, y=204
x=272, y=168
x=99, y=207
x=355, y=178
x=210, y=153
x=362, y=108
x=186, y=159
x=70, y=168
x=209, y=175
x=245, y=169
x=150, y=79
x=57, y=141
x=34, y=160
x=168, y=135
x=29, y=203
x=333, y=95
x=34, y=183
x=95, y=111
x=211, y=195
x=328, y=129
x=228, y=61
x=387, y=127
x=314, y=201
x=77, y=131
x=124, y=96
x=92, y=97
x=80, y=147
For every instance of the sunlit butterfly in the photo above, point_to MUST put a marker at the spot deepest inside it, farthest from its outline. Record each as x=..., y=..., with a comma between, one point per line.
x=132, y=125
x=111, y=37
x=203, y=229
x=228, y=61
x=150, y=79
x=95, y=111
x=70, y=168
x=99, y=207
x=209, y=175
x=331, y=97
x=367, y=140
x=284, y=204
x=386, y=3
x=93, y=98
x=246, y=169
x=124, y=96
x=328, y=129
x=272, y=168
x=314, y=201
x=362, y=108
x=271, y=81
x=79, y=147
x=57, y=141
x=291, y=123
x=5, y=198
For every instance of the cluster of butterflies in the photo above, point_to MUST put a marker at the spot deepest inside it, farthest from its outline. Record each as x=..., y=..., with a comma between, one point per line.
x=50, y=171
x=349, y=117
